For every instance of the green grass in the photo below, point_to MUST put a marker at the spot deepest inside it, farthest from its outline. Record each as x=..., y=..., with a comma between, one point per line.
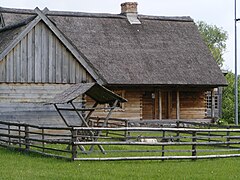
x=15, y=165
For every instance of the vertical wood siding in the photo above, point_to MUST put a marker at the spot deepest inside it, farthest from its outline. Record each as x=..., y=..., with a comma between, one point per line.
x=40, y=57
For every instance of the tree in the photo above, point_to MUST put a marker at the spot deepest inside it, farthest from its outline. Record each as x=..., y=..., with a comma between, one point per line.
x=228, y=99
x=215, y=38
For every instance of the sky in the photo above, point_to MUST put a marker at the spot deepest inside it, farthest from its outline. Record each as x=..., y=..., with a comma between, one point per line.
x=213, y=12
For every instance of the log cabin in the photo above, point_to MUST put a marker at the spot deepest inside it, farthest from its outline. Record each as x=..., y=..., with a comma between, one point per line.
x=159, y=64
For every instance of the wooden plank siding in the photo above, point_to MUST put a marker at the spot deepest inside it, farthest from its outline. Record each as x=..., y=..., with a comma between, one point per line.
x=25, y=103
x=40, y=57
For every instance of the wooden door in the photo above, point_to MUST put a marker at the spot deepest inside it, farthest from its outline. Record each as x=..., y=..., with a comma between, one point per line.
x=150, y=105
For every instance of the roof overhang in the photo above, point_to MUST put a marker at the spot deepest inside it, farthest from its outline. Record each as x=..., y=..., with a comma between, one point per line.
x=94, y=90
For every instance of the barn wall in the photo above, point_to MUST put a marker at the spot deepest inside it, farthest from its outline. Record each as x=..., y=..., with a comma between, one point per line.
x=40, y=57
x=25, y=103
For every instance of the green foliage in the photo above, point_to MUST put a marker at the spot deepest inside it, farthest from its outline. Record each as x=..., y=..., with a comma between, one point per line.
x=228, y=99
x=215, y=38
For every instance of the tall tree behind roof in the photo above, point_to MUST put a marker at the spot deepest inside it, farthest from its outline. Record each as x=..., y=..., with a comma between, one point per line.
x=215, y=38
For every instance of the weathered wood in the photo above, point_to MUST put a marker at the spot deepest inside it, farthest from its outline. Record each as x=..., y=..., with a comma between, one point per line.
x=27, y=138
x=194, y=140
x=157, y=158
x=24, y=62
x=213, y=104
x=35, y=58
x=69, y=46
x=45, y=53
x=30, y=57
x=19, y=37
x=38, y=53
x=178, y=106
x=74, y=147
x=160, y=104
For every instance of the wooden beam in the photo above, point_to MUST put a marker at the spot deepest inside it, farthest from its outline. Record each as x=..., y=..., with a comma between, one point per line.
x=213, y=104
x=160, y=104
x=169, y=105
x=178, y=106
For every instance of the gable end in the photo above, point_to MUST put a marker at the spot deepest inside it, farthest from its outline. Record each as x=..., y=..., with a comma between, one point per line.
x=40, y=57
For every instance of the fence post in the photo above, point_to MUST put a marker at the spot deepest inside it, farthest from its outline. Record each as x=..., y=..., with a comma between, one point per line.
x=228, y=139
x=27, y=137
x=74, y=146
x=43, y=144
x=209, y=133
x=163, y=147
x=178, y=125
x=19, y=134
x=9, y=132
x=194, y=140
x=126, y=132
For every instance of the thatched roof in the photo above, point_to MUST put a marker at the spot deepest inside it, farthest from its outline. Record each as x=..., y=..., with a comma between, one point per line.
x=159, y=51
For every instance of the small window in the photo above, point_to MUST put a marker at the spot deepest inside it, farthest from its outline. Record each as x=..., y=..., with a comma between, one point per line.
x=209, y=100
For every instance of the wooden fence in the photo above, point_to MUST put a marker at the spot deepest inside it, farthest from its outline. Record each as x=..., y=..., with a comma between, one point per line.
x=123, y=143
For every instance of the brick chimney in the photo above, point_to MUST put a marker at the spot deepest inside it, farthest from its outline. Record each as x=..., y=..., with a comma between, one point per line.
x=129, y=9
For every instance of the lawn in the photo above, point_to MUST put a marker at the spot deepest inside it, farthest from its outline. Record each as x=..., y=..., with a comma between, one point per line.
x=15, y=165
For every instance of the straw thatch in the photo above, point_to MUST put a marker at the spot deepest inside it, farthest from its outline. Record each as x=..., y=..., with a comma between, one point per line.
x=159, y=51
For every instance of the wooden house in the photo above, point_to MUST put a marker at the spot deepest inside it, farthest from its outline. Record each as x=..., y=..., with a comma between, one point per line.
x=159, y=64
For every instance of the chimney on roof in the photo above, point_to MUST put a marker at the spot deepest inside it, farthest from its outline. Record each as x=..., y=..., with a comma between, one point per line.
x=129, y=9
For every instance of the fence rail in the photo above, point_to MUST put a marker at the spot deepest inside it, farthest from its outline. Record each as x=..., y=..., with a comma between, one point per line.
x=183, y=141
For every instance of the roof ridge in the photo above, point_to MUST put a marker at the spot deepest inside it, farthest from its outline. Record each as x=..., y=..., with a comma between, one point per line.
x=94, y=15
x=17, y=11
x=166, y=18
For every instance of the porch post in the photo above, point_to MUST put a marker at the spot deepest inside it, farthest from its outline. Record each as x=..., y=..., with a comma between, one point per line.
x=160, y=104
x=213, y=104
x=178, y=106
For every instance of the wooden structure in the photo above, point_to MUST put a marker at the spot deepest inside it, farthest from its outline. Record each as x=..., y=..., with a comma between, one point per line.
x=179, y=143
x=96, y=92
x=160, y=64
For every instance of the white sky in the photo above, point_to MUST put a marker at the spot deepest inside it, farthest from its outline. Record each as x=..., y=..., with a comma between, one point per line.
x=216, y=12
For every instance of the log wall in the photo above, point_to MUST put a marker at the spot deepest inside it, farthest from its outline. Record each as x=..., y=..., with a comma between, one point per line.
x=144, y=105
x=192, y=105
x=130, y=110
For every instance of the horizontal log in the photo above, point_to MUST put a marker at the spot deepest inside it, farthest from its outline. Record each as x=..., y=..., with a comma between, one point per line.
x=155, y=129
x=156, y=144
x=52, y=149
x=157, y=158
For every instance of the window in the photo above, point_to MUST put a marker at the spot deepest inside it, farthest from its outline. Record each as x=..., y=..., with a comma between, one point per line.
x=209, y=100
